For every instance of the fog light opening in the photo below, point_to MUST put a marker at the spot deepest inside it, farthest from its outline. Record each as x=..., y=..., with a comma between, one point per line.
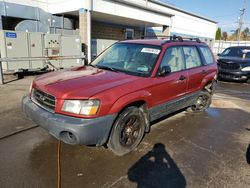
x=68, y=137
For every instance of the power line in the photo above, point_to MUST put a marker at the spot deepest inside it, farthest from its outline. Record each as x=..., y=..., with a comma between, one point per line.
x=232, y=23
x=223, y=16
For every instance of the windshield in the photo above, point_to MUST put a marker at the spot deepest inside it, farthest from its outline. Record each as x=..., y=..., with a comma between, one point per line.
x=135, y=59
x=236, y=52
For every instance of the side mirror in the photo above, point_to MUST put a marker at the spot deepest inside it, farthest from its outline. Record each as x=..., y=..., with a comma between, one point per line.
x=218, y=54
x=163, y=71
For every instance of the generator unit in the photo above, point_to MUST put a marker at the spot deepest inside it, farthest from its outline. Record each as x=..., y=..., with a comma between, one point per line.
x=18, y=44
x=36, y=46
x=52, y=47
x=14, y=44
x=71, y=46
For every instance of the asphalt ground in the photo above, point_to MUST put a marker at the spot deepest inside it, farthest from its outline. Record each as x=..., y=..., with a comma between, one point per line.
x=209, y=149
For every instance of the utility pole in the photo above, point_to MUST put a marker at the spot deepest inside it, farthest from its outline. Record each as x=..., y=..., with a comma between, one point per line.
x=242, y=12
x=1, y=73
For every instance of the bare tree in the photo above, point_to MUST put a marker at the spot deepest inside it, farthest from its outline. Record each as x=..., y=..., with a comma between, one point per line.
x=224, y=35
x=246, y=34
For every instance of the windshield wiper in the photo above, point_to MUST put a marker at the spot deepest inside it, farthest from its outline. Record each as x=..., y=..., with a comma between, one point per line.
x=91, y=65
x=106, y=68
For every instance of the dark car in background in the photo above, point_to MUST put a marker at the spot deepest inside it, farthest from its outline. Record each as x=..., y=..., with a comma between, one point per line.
x=234, y=64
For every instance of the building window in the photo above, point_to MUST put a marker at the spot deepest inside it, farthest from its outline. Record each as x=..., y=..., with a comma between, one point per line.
x=129, y=34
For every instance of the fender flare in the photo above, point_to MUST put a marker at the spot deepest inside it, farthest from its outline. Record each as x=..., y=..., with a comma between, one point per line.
x=127, y=100
x=130, y=98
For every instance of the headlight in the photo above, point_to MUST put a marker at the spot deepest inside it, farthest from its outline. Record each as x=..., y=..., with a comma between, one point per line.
x=246, y=69
x=81, y=107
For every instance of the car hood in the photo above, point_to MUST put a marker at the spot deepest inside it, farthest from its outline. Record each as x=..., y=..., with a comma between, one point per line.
x=233, y=60
x=81, y=82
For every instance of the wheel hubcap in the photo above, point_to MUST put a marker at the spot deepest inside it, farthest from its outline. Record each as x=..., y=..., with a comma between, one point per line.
x=130, y=131
x=201, y=102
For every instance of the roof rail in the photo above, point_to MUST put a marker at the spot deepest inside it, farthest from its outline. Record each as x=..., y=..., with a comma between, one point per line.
x=156, y=37
x=172, y=38
x=181, y=39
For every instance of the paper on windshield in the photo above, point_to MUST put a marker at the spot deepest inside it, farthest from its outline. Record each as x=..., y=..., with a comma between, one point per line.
x=246, y=51
x=150, y=50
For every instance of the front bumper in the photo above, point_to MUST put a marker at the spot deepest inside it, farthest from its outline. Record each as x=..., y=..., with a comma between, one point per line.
x=70, y=130
x=237, y=76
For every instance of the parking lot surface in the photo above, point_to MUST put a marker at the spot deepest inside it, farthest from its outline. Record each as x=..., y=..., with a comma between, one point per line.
x=208, y=149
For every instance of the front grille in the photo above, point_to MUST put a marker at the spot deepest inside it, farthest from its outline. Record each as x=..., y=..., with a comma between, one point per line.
x=229, y=66
x=44, y=100
x=231, y=76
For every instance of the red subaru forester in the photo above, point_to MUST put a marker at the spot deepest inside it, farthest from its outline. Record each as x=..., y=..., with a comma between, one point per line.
x=113, y=100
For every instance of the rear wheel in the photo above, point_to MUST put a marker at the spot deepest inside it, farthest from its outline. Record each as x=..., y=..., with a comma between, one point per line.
x=128, y=131
x=202, y=102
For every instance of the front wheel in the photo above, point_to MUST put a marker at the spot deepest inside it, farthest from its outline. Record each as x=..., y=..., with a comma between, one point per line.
x=202, y=102
x=127, y=131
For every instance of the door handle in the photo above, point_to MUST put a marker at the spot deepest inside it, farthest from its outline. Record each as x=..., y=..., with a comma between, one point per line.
x=203, y=72
x=182, y=77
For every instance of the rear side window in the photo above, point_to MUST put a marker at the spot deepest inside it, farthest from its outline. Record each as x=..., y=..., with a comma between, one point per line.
x=207, y=55
x=174, y=59
x=192, y=57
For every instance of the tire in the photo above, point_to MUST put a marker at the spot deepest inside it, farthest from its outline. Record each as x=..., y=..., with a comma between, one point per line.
x=127, y=132
x=20, y=76
x=219, y=78
x=202, y=102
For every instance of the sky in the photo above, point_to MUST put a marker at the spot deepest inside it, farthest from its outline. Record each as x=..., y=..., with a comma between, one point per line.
x=225, y=12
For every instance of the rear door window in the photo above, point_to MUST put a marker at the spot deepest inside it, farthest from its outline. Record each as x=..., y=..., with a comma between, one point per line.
x=207, y=55
x=192, y=57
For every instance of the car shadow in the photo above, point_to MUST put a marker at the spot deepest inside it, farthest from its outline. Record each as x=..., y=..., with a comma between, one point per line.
x=156, y=169
x=248, y=154
x=248, y=151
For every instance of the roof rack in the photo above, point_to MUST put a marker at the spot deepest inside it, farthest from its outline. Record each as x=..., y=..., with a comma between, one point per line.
x=181, y=39
x=173, y=38
x=156, y=37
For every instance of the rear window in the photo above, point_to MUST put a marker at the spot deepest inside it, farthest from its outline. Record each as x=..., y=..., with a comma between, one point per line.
x=208, y=56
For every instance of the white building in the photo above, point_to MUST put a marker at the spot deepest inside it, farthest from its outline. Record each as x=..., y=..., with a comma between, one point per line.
x=101, y=22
